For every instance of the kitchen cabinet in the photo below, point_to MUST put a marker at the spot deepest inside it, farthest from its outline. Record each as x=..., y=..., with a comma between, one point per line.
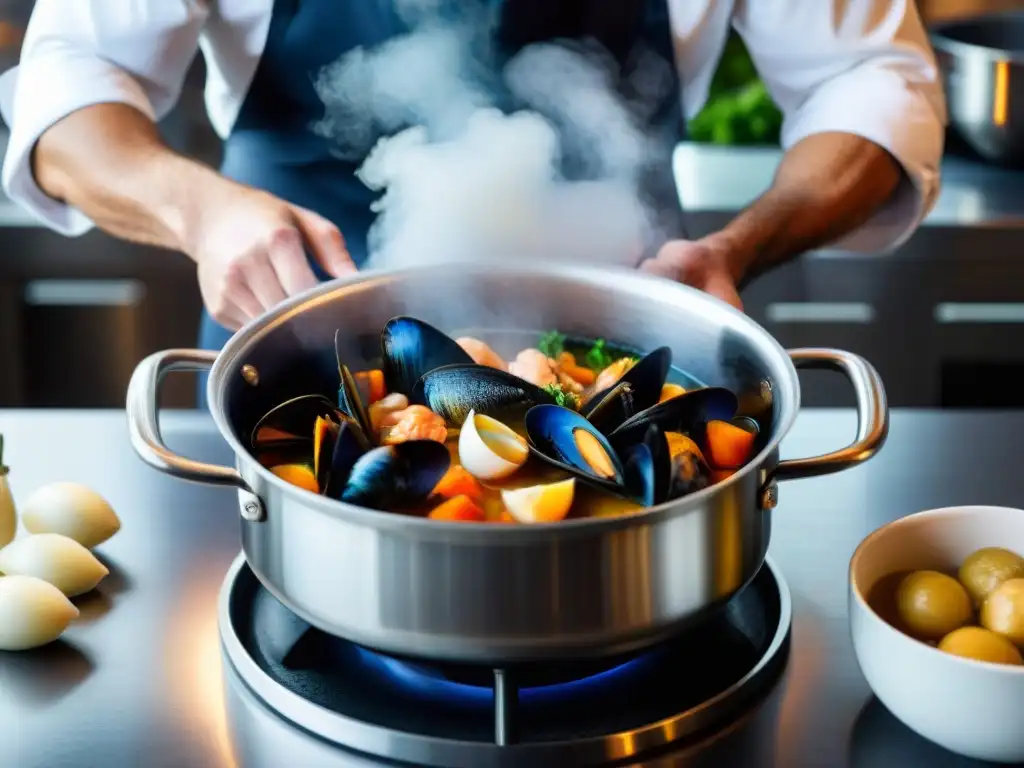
x=77, y=315
x=942, y=318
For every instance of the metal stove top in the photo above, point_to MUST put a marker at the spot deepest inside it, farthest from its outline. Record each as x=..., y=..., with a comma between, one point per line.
x=138, y=680
x=369, y=706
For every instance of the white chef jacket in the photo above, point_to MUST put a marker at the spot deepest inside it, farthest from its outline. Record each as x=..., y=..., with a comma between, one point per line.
x=858, y=66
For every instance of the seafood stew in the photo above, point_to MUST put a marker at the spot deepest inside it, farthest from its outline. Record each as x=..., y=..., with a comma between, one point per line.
x=449, y=429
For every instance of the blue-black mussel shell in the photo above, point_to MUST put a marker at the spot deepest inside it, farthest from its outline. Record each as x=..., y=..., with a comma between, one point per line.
x=412, y=348
x=396, y=477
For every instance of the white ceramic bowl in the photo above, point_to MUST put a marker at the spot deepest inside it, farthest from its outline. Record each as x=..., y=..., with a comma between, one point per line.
x=970, y=707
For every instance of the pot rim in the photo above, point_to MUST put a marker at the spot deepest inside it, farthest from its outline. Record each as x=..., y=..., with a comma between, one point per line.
x=231, y=357
x=941, y=41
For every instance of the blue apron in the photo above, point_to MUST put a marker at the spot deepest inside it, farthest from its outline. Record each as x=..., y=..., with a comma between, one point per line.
x=274, y=147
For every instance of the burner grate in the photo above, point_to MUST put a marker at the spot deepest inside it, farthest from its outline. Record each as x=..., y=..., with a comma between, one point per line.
x=466, y=715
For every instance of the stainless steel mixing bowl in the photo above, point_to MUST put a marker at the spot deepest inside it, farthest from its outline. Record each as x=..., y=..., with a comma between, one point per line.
x=502, y=593
x=982, y=62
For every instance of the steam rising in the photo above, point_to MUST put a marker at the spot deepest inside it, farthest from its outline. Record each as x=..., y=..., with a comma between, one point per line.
x=471, y=182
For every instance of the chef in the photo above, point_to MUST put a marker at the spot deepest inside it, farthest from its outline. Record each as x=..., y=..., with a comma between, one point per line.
x=856, y=80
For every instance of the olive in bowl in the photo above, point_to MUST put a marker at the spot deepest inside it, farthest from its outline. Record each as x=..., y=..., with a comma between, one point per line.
x=934, y=617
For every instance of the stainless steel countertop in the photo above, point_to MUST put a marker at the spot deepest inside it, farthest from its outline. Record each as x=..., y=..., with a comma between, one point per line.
x=137, y=679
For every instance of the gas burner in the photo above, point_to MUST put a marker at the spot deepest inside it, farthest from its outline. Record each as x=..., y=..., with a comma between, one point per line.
x=558, y=714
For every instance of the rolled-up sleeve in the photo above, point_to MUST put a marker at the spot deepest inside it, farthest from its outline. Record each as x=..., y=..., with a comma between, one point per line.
x=863, y=67
x=77, y=53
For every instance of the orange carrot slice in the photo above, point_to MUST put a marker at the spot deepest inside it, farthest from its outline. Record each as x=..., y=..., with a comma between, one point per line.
x=371, y=385
x=297, y=474
x=567, y=364
x=458, y=482
x=728, y=446
x=458, y=509
x=320, y=429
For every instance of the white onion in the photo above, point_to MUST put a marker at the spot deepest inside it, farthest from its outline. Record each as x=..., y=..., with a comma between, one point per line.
x=72, y=510
x=32, y=613
x=56, y=559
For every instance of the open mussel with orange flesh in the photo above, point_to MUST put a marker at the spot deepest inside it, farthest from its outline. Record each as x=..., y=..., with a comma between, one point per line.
x=678, y=414
x=351, y=401
x=655, y=474
x=396, y=477
x=349, y=444
x=452, y=391
x=291, y=423
x=565, y=439
x=636, y=390
x=311, y=440
x=648, y=469
x=412, y=348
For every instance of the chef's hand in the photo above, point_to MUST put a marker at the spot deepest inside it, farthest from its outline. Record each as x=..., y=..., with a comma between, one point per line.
x=703, y=264
x=249, y=248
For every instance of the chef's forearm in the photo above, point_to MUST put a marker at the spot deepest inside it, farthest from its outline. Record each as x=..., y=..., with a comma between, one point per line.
x=827, y=185
x=109, y=161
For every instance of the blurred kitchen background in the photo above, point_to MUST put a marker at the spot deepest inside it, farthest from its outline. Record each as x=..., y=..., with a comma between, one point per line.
x=942, y=317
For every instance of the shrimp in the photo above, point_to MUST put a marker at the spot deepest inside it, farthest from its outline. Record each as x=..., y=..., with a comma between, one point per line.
x=535, y=367
x=396, y=401
x=610, y=375
x=481, y=353
x=569, y=384
x=417, y=422
x=567, y=365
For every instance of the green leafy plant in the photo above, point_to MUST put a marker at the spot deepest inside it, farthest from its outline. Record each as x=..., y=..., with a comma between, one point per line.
x=739, y=109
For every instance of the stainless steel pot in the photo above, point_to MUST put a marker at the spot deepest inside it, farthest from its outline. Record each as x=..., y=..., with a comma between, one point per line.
x=982, y=62
x=487, y=593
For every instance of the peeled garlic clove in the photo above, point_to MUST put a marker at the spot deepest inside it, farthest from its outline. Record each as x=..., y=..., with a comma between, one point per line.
x=72, y=510
x=54, y=558
x=32, y=613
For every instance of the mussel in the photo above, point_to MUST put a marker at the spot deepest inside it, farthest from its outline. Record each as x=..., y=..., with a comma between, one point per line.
x=310, y=431
x=291, y=423
x=412, y=348
x=399, y=476
x=689, y=474
x=452, y=391
x=347, y=446
x=636, y=390
x=562, y=437
x=679, y=414
x=349, y=399
x=654, y=473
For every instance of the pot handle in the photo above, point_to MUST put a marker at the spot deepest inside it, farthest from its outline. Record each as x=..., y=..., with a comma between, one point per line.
x=144, y=428
x=872, y=414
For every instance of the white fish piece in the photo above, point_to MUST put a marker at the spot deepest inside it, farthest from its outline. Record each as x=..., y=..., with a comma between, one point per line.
x=73, y=510
x=32, y=613
x=56, y=559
